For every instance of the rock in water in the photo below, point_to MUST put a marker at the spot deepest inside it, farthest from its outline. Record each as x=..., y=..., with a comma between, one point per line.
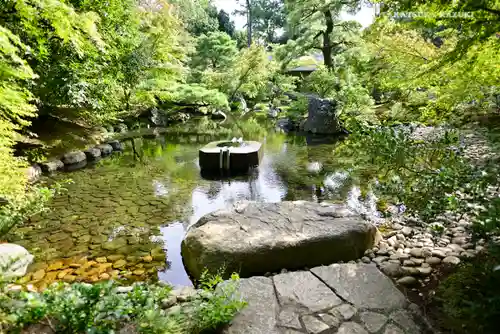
x=93, y=153
x=74, y=157
x=51, y=166
x=106, y=149
x=116, y=145
x=255, y=238
x=321, y=117
x=14, y=260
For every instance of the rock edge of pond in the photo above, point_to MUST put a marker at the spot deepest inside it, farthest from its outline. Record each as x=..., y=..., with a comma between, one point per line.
x=73, y=160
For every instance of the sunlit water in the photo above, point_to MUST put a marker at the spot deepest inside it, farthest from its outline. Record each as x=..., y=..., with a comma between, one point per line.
x=126, y=216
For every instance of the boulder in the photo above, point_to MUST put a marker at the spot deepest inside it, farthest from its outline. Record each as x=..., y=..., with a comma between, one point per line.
x=93, y=153
x=14, y=261
x=74, y=157
x=33, y=173
x=285, y=124
x=255, y=238
x=106, y=149
x=322, y=118
x=116, y=145
x=51, y=166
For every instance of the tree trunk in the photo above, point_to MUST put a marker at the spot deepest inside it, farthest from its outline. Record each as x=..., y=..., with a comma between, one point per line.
x=127, y=95
x=249, y=23
x=327, y=45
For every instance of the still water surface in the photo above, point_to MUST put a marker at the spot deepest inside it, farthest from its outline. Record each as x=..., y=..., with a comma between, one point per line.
x=125, y=216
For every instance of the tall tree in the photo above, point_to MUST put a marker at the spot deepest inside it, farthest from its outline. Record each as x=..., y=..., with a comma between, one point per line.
x=198, y=16
x=247, y=10
x=268, y=17
x=214, y=51
x=59, y=40
x=316, y=25
x=225, y=23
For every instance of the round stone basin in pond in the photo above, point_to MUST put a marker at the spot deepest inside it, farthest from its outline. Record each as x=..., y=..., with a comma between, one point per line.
x=229, y=156
x=125, y=217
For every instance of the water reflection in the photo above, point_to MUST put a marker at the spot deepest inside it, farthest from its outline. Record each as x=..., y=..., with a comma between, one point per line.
x=264, y=185
x=175, y=273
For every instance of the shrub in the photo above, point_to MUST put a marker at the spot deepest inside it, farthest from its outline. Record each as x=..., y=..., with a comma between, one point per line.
x=101, y=308
x=470, y=298
x=429, y=176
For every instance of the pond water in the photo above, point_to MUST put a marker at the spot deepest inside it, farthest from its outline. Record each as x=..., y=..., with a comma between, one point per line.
x=125, y=216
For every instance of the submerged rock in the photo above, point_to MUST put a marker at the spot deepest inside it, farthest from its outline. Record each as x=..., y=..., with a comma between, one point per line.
x=14, y=260
x=255, y=238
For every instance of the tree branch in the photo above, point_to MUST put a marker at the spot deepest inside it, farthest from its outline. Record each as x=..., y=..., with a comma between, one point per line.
x=318, y=34
x=490, y=10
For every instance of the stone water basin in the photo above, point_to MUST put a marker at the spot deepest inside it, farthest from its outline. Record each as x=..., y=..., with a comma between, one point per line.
x=229, y=156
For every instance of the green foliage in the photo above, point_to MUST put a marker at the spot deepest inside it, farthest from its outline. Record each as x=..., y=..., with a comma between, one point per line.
x=198, y=16
x=267, y=17
x=354, y=103
x=471, y=22
x=240, y=37
x=214, y=51
x=469, y=299
x=58, y=38
x=223, y=305
x=192, y=95
x=225, y=23
x=15, y=111
x=99, y=308
x=316, y=24
x=434, y=65
x=422, y=175
x=297, y=110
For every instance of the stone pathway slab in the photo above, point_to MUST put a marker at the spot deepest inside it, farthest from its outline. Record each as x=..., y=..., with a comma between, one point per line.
x=338, y=299
x=303, y=290
x=259, y=317
x=362, y=285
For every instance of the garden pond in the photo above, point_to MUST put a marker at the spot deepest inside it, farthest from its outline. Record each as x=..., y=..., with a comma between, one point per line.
x=125, y=216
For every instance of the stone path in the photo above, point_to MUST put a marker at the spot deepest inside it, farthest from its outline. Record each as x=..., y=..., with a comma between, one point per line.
x=340, y=298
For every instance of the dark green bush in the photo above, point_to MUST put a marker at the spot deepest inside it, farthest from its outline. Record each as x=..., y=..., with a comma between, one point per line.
x=470, y=298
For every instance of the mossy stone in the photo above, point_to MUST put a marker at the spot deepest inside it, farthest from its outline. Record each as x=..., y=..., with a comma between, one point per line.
x=114, y=244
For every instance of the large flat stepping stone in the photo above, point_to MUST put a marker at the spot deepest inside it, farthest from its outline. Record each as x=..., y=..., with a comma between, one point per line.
x=362, y=285
x=256, y=238
x=338, y=299
x=259, y=317
x=303, y=290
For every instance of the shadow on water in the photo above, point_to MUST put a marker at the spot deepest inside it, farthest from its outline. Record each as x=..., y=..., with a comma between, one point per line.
x=129, y=208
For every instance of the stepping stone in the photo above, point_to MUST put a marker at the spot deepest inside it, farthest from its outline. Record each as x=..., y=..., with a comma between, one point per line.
x=373, y=321
x=351, y=328
x=303, y=290
x=362, y=285
x=259, y=317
